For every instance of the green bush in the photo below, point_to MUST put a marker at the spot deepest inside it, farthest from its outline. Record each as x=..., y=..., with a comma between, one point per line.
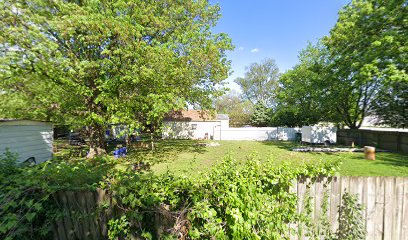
x=351, y=221
x=8, y=164
x=27, y=207
x=233, y=200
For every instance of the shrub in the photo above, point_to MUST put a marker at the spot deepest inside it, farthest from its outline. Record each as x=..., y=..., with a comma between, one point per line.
x=351, y=221
x=233, y=200
x=27, y=207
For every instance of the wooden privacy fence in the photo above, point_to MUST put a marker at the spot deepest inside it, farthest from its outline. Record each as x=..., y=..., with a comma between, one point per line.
x=385, y=201
x=389, y=140
x=83, y=215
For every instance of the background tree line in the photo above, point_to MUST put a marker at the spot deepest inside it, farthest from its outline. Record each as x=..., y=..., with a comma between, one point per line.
x=358, y=70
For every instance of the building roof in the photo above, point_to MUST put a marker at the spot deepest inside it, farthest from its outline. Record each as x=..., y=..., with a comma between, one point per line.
x=7, y=119
x=222, y=117
x=14, y=122
x=194, y=116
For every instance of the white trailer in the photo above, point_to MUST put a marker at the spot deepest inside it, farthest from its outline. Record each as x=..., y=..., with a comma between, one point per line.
x=319, y=134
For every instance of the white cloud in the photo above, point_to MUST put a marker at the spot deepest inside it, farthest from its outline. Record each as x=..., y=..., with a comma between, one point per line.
x=241, y=48
x=255, y=50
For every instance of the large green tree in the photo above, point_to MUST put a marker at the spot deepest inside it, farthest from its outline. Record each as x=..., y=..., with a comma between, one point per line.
x=261, y=115
x=391, y=105
x=239, y=110
x=260, y=82
x=302, y=96
x=368, y=49
x=93, y=62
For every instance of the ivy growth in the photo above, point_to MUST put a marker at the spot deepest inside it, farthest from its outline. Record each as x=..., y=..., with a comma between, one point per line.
x=351, y=220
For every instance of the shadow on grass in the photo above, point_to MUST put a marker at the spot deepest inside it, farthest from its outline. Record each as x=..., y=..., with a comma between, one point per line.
x=388, y=159
x=286, y=145
x=165, y=151
x=64, y=151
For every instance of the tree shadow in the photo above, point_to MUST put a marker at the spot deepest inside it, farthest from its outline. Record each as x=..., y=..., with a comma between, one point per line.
x=286, y=145
x=178, y=130
x=165, y=151
x=387, y=159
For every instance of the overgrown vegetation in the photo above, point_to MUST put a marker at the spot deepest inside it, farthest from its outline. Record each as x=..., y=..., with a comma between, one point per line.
x=234, y=200
x=351, y=221
x=27, y=207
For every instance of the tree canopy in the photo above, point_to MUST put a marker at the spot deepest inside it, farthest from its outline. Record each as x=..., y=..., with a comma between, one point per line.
x=89, y=63
x=356, y=71
x=261, y=115
x=302, y=96
x=239, y=110
x=260, y=82
x=391, y=106
x=368, y=50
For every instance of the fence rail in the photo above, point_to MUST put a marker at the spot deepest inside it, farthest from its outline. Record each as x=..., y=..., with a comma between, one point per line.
x=385, y=201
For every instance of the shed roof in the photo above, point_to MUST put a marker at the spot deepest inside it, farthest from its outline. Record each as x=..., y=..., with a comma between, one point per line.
x=22, y=122
x=222, y=117
x=189, y=116
x=194, y=116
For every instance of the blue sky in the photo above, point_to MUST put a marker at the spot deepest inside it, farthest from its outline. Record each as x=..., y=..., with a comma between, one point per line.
x=276, y=29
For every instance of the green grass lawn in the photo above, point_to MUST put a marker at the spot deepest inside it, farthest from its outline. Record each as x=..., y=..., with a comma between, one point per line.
x=184, y=157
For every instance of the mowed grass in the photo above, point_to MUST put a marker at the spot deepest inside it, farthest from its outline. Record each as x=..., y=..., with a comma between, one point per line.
x=185, y=157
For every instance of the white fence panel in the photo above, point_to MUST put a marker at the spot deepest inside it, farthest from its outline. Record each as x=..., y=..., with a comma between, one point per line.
x=259, y=134
x=287, y=134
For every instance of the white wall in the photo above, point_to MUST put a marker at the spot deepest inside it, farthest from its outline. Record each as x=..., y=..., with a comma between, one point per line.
x=259, y=134
x=318, y=134
x=184, y=130
x=219, y=130
x=28, y=139
x=224, y=124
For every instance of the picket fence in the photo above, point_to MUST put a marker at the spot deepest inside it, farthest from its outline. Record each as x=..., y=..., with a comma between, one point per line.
x=385, y=201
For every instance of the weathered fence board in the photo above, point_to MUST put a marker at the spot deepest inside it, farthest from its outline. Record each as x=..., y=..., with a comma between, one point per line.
x=399, y=191
x=404, y=222
x=379, y=208
x=385, y=201
x=388, y=206
x=334, y=202
x=370, y=206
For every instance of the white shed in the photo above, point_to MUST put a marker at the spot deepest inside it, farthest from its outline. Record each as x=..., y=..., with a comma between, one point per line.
x=318, y=134
x=27, y=138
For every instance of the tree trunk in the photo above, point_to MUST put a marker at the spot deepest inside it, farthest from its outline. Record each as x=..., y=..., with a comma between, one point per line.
x=97, y=145
x=151, y=141
x=128, y=141
x=152, y=129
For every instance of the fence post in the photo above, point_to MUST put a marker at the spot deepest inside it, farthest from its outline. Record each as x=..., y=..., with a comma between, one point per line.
x=399, y=142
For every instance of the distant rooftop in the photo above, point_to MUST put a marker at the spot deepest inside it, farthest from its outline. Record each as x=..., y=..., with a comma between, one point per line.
x=384, y=129
x=194, y=116
x=21, y=122
x=222, y=117
x=7, y=119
